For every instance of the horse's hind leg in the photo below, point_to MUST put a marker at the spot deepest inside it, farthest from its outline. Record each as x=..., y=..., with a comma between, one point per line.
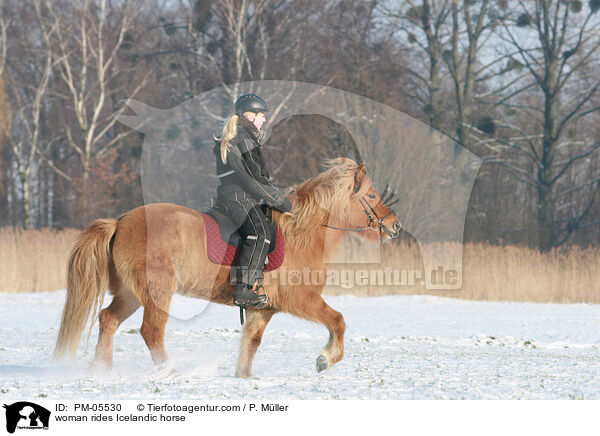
x=123, y=305
x=157, y=293
x=313, y=307
x=153, y=332
x=256, y=322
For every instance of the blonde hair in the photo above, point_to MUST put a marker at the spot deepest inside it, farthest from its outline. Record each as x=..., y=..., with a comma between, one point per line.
x=229, y=132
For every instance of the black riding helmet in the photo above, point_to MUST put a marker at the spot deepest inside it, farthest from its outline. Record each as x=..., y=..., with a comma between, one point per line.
x=250, y=102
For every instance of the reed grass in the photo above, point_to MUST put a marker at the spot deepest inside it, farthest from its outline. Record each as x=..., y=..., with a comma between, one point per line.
x=491, y=272
x=35, y=260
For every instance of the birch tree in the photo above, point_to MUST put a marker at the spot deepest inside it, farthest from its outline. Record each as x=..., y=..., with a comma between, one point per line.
x=5, y=111
x=29, y=82
x=89, y=39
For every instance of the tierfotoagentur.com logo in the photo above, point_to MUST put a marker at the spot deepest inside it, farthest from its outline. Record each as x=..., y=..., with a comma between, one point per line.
x=26, y=416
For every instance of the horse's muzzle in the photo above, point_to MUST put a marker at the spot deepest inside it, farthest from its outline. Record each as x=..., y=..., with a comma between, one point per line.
x=394, y=232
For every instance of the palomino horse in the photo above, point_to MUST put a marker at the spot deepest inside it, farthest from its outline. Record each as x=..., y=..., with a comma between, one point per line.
x=153, y=251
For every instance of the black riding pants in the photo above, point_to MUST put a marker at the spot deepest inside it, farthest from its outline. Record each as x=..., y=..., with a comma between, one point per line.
x=256, y=233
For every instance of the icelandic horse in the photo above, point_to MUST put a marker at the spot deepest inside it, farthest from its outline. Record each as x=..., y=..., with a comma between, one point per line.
x=145, y=268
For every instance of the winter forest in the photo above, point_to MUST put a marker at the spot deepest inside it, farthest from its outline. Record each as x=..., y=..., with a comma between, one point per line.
x=514, y=82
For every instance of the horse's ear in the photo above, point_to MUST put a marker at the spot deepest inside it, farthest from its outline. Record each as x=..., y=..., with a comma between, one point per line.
x=359, y=176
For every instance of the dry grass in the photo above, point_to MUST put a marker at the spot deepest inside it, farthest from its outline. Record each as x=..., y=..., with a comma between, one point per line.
x=510, y=273
x=36, y=260
x=514, y=273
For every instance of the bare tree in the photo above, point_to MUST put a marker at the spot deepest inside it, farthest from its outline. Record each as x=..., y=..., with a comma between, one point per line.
x=89, y=38
x=210, y=44
x=5, y=111
x=445, y=42
x=557, y=44
x=426, y=25
x=473, y=27
x=29, y=106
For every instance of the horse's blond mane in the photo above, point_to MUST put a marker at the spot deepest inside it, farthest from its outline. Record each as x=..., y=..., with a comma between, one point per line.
x=319, y=198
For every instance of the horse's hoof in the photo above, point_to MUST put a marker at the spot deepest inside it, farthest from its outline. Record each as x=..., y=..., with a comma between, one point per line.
x=100, y=367
x=163, y=372
x=322, y=364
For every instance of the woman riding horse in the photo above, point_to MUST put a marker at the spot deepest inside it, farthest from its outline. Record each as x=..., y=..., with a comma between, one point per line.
x=245, y=189
x=154, y=251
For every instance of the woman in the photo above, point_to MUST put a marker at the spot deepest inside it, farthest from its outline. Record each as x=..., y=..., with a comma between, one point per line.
x=245, y=188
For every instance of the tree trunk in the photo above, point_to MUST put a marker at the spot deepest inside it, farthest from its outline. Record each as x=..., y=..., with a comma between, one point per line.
x=545, y=219
x=25, y=192
x=84, y=216
x=545, y=212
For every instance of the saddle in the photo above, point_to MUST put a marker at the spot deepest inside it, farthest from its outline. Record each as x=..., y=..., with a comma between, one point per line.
x=223, y=240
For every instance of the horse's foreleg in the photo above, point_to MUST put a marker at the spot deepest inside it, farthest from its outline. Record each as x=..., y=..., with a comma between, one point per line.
x=334, y=350
x=256, y=322
x=313, y=307
x=123, y=305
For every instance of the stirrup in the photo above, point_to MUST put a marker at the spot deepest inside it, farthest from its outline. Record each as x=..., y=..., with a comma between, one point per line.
x=244, y=297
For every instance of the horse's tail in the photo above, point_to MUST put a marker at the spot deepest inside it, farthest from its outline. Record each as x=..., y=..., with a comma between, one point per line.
x=87, y=281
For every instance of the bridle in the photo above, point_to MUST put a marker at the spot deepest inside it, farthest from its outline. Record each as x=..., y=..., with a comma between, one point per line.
x=378, y=221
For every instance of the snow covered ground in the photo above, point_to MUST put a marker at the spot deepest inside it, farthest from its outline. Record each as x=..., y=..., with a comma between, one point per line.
x=397, y=347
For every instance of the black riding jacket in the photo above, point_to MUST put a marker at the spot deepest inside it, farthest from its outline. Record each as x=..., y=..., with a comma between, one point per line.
x=245, y=170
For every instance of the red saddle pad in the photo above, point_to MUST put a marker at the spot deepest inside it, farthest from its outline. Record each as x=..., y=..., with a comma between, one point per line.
x=222, y=253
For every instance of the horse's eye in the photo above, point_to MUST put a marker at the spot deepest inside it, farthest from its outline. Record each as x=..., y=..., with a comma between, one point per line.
x=371, y=196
